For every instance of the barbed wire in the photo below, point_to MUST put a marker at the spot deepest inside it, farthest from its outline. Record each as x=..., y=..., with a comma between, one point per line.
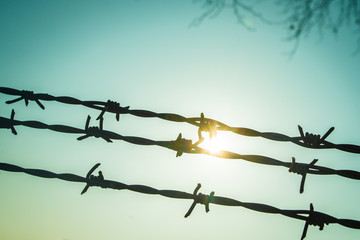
x=180, y=146
x=311, y=217
x=308, y=140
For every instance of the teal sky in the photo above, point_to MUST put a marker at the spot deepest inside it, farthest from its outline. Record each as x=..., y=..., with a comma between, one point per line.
x=144, y=54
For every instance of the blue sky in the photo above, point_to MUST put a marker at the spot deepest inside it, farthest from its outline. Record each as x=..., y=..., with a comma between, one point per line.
x=144, y=54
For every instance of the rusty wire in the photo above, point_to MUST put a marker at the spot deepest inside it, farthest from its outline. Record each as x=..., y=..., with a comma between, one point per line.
x=180, y=145
x=310, y=217
x=307, y=140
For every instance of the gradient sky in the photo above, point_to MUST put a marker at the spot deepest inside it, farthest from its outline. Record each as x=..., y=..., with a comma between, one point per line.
x=144, y=54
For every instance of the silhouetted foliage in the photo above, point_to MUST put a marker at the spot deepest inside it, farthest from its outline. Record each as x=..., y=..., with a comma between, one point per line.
x=298, y=17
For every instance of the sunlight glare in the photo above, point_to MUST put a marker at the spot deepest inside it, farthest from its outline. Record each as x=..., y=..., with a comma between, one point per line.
x=215, y=144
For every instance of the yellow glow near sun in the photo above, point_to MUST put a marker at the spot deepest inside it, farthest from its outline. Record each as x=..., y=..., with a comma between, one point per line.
x=215, y=144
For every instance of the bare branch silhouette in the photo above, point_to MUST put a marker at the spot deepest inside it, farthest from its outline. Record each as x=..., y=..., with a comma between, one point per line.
x=300, y=18
x=242, y=10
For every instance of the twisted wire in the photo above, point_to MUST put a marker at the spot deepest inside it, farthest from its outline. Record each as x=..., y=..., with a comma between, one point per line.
x=307, y=140
x=180, y=145
x=313, y=217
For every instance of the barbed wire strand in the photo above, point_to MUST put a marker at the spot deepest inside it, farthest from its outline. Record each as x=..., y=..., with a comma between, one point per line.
x=180, y=145
x=307, y=140
x=313, y=218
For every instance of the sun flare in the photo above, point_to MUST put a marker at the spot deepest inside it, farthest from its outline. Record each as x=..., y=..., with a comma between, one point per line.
x=215, y=144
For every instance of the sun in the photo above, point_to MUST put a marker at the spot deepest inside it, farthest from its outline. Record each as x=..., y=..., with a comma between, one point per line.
x=215, y=144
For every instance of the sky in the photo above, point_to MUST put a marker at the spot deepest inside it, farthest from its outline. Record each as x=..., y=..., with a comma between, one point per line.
x=146, y=55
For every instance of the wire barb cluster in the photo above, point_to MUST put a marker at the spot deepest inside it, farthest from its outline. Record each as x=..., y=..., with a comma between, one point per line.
x=207, y=126
x=93, y=180
x=314, y=219
x=200, y=198
x=27, y=96
x=301, y=169
x=8, y=123
x=181, y=145
x=314, y=140
x=97, y=132
x=114, y=107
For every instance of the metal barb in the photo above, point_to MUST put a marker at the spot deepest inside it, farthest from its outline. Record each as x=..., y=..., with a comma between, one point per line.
x=301, y=169
x=11, y=120
x=314, y=219
x=97, y=132
x=181, y=145
x=27, y=96
x=88, y=175
x=313, y=140
x=114, y=107
x=8, y=123
x=200, y=198
x=206, y=125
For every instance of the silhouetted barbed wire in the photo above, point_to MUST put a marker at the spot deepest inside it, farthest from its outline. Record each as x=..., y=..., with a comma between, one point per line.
x=180, y=145
x=307, y=140
x=311, y=217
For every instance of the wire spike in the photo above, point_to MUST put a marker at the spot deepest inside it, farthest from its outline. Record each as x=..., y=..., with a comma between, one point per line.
x=107, y=139
x=301, y=132
x=15, y=100
x=88, y=175
x=179, y=137
x=101, y=114
x=39, y=104
x=83, y=137
x=92, y=170
x=12, y=114
x=101, y=123
x=197, y=189
x=87, y=122
x=13, y=130
x=327, y=134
